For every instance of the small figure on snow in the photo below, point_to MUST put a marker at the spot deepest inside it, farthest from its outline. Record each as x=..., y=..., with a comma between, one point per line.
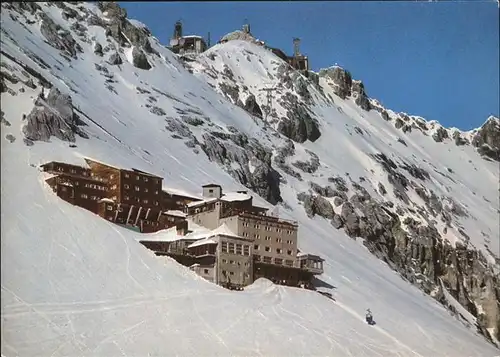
x=369, y=317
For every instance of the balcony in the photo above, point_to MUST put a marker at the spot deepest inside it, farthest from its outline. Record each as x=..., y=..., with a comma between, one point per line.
x=311, y=263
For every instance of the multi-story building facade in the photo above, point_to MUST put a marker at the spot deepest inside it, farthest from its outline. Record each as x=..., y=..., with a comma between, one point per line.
x=274, y=249
x=129, y=197
x=233, y=263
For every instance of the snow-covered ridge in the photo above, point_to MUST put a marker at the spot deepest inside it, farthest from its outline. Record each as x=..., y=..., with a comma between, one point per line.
x=75, y=284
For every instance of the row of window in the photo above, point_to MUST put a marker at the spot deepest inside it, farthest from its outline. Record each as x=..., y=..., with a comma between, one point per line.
x=138, y=177
x=137, y=199
x=240, y=249
x=231, y=273
x=224, y=261
x=120, y=220
x=93, y=198
x=277, y=261
x=95, y=187
x=268, y=228
x=268, y=249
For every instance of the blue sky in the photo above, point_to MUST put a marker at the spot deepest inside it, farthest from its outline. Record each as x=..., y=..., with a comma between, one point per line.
x=439, y=60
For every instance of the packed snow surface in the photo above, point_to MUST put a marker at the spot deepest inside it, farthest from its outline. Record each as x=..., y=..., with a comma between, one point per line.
x=74, y=284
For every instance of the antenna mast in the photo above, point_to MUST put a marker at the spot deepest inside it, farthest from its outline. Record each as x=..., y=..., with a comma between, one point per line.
x=296, y=47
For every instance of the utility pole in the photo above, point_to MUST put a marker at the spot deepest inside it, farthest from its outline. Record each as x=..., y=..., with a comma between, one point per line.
x=269, y=98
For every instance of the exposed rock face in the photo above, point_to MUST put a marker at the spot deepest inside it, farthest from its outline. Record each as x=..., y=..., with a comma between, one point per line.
x=417, y=252
x=341, y=78
x=361, y=99
x=239, y=35
x=139, y=59
x=98, y=49
x=298, y=124
x=115, y=59
x=235, y=151
x=53, y=117
x=440, y=134
x=487, y=139
x=252, y=107
x=317, y=205
x=57, y=37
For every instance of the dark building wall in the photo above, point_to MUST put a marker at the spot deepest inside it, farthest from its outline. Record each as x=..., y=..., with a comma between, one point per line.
x=140, y=189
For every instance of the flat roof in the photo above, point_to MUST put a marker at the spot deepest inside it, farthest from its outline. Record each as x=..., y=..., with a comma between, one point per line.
x=211, y=185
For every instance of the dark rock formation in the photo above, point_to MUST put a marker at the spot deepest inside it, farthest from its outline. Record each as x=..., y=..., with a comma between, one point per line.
x=53, y=117
x=57, y=37
x=317, y=205
x=298, y=124
x=139, y=59
x=236, y=154
x=341, y=78
x=252, y=107
x=361, y=99
x=115, y=59
x=440, y=134
x=487, y=139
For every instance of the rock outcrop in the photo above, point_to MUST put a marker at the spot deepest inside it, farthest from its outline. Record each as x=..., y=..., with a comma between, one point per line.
x=53, y=116
x=487, y=139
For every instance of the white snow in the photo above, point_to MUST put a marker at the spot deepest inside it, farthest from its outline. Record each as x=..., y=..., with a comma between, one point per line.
x=176, y=213
x=235, y=196
x=75, y=284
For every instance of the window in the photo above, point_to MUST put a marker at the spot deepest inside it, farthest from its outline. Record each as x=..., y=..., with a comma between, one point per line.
x=145, y=201
x=146, y=190
x=246, y=250
x=247, y=264
x=278, y=261
x=289, y=252
x=256, y=257
x=111, y=177
x=205, y=271
x=267, y=249
x=146, y=179
x=289, y=263
x=238, y=249
x=224, y=260
x=113, y=187
x=278, y=230
x=231, y=248
x=279, y=250
x=231, y=262
x=156, y=192
x=289, y=242
x=126, y=186
x=137, y=178
x=224, y=247
x=256, y=247
x=157, y=181
x=77, y=183
x=73, y=171
x=246, y=275
x=126, y=198
x=109, y=207
x=156, y=203
x=279, y=240
x=266, y=260
x=245, y=234
x=114, y=199
x=137, y=199
x=64, y=188
x=268, y=238
x=210, y=191
x=137, y=188
x=84, y=195
x=231, y=273
x=127, y=175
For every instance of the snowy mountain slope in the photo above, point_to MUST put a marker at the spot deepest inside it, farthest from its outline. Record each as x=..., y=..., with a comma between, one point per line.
x=65, y=271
